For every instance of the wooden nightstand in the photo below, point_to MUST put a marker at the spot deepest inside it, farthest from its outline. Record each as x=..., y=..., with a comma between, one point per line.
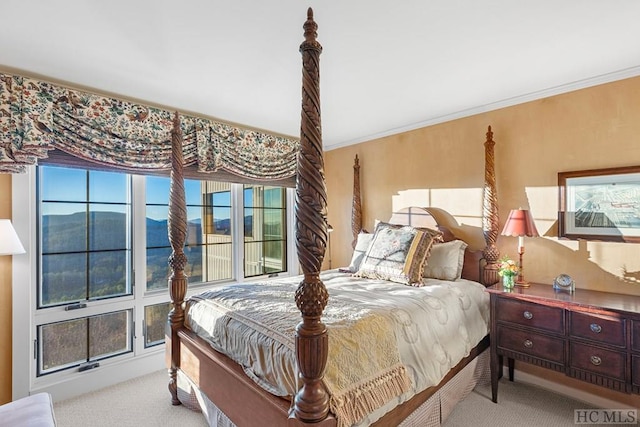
x=592, y=336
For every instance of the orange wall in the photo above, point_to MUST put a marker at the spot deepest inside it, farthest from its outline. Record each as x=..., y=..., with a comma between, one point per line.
x=5, y=298
x=443, y=166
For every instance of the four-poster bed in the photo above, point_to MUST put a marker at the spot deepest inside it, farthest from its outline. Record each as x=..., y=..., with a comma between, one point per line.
x=222, y=385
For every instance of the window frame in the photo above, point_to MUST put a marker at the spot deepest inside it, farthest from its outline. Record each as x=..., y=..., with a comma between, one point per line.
x=259, y=212
x=143, y=359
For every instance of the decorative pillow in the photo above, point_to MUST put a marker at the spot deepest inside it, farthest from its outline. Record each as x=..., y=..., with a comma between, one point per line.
x=362, y=245
x=436, y=234
x=397, y=253
x=446, y=260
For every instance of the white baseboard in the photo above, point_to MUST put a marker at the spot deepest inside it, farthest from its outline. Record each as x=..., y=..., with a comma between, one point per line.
x=573, y=393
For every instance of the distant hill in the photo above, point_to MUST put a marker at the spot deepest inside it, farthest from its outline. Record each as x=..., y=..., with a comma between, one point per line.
x=107, y=231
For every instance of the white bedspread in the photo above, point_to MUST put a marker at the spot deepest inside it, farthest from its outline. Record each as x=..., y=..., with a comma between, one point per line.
x=435, y=326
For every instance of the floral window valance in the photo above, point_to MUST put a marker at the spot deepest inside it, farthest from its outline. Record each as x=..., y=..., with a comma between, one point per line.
x=37, y=116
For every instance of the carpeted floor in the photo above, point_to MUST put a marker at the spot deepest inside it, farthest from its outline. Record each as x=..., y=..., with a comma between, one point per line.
x=519, y=405
x=145, y=401
x=139, y=402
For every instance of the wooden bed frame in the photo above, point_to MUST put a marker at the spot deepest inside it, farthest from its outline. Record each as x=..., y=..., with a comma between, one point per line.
x=222, y=380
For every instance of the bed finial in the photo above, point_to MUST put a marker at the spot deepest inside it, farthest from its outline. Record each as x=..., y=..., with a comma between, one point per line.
x=310, y=33
x=490, y=213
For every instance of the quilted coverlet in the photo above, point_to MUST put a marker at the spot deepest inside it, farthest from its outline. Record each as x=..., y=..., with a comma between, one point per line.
x=387, y=341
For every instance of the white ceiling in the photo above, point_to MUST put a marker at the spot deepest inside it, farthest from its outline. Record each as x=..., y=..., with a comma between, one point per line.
x=387, y=66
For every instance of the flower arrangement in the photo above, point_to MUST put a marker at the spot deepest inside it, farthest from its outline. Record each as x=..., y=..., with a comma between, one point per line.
x=508, y=267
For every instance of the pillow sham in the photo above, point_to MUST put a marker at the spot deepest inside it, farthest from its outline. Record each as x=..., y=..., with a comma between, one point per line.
x=446, y=260
x=362, y=245
x=398, y=254
x=436, y=234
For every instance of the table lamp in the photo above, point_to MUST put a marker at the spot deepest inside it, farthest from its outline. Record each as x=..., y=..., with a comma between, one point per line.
x=520, y=224
x=9, y=241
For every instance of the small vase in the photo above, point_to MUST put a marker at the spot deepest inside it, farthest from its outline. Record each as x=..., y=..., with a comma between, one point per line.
x=508, y=281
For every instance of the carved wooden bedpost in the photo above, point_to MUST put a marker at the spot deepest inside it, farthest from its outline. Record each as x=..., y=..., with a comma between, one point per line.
x=311, y=403
x=490, y=213
x=177, y=227
x=356, y=214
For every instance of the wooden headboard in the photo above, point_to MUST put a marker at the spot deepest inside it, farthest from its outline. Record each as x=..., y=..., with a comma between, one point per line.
x=421, y=217
x=480, y=266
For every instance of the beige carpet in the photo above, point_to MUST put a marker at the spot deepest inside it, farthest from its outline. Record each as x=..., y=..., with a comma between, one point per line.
x=519, y=405
x=145, y=401
x=139, y=402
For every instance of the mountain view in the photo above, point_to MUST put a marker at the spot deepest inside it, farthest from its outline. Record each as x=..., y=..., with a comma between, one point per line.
x=66, y=266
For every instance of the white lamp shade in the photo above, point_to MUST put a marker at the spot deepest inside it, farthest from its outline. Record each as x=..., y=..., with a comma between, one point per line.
x=9, y=241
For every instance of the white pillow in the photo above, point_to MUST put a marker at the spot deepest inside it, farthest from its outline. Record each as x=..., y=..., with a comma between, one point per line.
x=445, y=261
x=362, y=246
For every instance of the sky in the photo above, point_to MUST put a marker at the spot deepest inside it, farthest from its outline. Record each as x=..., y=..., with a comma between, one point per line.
x=105, y=188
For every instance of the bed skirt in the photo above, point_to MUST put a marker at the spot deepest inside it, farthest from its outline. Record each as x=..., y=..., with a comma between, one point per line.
x=437, y=408
x=431, y=413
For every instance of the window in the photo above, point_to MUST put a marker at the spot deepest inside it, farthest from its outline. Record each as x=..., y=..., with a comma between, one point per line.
x=210, y=255
x=155, y=319
x=264, y=230
x=85, y=255
x=103, y=252
x=216, y=249
x=76, y=342
x=85, y=229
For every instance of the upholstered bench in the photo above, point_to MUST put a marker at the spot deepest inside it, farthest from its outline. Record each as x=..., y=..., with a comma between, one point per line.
x=32, y=411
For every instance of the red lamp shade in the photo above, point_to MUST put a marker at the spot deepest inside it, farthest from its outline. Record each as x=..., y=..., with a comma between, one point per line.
x=520, y=223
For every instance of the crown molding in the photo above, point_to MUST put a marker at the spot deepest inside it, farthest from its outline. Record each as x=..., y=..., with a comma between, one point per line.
x=509, y=102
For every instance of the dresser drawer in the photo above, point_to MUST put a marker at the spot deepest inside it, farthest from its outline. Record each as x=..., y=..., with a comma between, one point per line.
x=530, y=314
x=531, y=343
x=635, y=335
x=604, y=329
x=597, y=360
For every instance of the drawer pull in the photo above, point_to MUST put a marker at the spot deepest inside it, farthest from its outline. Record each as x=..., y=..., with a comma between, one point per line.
x=595, y=328
x=528, y=315
x=528, y=343
x=596, y=360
